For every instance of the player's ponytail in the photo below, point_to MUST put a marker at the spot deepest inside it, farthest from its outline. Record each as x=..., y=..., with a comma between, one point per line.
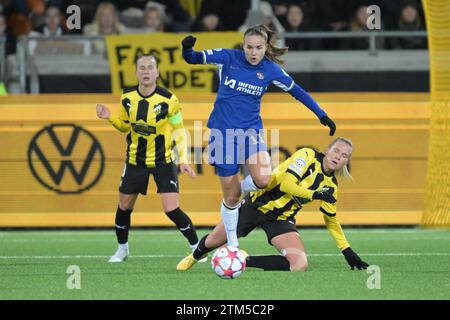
x=273, y=52
x=345, y=170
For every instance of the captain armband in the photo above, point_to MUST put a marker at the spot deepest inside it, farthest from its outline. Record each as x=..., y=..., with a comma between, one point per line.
x=176, y=118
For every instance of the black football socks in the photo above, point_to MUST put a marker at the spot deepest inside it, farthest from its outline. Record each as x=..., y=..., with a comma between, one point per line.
x=201, y=249
x=184, y=224
x=268, y=263
x=123, y=221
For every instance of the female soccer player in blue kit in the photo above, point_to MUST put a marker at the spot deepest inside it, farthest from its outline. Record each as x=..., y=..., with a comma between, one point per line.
x=244, y=78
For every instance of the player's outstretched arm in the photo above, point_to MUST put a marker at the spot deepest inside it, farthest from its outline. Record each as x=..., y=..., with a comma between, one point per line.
x=103, y=112
x=335, y=229
x=301, y=95
x=189, y=55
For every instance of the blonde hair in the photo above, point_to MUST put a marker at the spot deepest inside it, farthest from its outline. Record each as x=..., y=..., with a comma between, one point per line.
x=273, y=52
x=146, y=56
x=117, y=26
x=345, y=170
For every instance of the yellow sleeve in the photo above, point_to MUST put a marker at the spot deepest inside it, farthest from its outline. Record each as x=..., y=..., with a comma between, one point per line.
x=335, y=229
x=299, y=163
x=122, y=122
x=179, y=132
x=330, y=209
x=290, y=186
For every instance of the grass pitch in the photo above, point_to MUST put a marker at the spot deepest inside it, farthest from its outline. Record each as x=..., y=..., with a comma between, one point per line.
x=414, y=264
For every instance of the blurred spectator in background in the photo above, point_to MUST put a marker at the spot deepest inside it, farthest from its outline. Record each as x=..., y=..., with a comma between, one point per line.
x=268, y=19
x=87, y=9
x=122, y=5
x=17, y=16
x=331, y=15
x=178, y=19
x=53, y=26
x=106, y=22
x=10, y=43
x=192, y=7
x=357, y=24
x=232, y=13
x=53, y=23
x=389, y=10
x=280, y=8
x=36, y=11
x=409, y=20
x=154, y=18
x=206, y=22
x=296, y=21
x=132, y=19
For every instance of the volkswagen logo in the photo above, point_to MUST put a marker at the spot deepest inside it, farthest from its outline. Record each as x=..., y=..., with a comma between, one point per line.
x=66, y=158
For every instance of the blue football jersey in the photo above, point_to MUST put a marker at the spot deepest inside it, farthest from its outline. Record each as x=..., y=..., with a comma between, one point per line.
x=241, y=87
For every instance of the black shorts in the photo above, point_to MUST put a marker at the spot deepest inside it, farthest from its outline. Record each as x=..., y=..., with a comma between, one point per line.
x=135, y=179
x=250, y=218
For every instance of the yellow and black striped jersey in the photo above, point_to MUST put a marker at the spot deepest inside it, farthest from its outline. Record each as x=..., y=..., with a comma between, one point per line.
x=306, y=166
x=149, y=122
x=292, y=184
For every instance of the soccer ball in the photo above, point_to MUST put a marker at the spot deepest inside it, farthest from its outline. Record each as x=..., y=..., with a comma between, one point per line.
x=228, y=262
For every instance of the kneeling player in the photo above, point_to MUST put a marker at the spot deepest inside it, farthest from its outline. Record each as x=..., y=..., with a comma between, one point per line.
x=304, y=177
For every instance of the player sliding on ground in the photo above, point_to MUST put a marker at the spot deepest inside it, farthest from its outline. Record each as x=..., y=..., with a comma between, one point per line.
x=306, y=176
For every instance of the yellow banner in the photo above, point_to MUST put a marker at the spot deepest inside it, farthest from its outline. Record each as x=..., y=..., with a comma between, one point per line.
x=61, y=166
x=174, y=72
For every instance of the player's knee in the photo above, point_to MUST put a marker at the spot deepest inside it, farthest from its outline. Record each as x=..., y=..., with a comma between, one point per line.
x=231, y=200
x=261, y=181
x=298, y=260
x=125, y=204
x=169, y=207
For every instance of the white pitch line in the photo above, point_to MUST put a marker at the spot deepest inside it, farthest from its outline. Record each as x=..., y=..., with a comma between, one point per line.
x=307, y=240
x=87, y=257
x=82, y=233
x=152, y=256
x=393, y=254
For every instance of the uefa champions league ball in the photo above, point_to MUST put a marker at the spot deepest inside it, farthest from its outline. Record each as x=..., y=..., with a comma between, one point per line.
x=228, y=262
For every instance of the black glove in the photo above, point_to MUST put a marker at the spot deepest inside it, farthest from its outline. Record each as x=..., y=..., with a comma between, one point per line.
x=324, y=195
x=188, y=42
x=354, y=260
x=329, y=123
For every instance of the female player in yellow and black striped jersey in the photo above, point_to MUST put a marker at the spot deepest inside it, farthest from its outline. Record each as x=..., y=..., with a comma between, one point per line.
x=306, y=176
x=151, y=117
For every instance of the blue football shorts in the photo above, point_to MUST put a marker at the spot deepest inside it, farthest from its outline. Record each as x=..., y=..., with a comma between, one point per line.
x=228, y=150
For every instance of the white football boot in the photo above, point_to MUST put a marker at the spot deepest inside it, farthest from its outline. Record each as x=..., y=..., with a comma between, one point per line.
x=121, y=254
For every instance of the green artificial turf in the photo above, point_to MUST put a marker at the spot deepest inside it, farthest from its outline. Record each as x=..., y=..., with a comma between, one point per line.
x=414, y=264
